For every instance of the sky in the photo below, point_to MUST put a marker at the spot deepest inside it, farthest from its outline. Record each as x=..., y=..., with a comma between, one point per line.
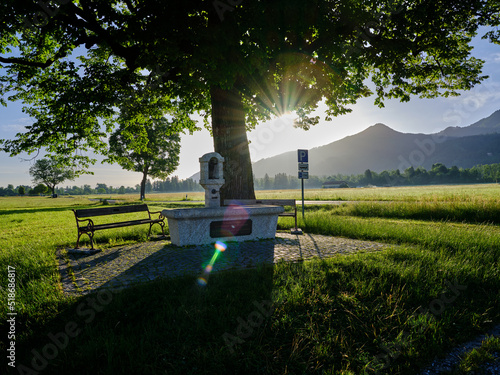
x=278, y=135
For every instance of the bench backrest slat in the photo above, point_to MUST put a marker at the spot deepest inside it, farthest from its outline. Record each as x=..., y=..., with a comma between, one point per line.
x=102, y=211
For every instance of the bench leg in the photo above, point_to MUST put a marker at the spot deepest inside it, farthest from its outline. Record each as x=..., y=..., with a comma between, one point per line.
x=91, y=237
x=295, y=217
x=161, y=224
x=78, y=240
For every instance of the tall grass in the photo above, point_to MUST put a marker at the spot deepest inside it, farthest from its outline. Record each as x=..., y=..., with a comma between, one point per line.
x=437, y=193
x=447, y=227
x=473, y=211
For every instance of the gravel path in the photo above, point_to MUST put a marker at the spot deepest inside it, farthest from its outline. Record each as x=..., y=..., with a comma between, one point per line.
x=119, y=267
x=453, y=358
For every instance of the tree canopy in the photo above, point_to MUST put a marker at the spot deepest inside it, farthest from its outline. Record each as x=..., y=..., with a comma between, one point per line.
x=51, y=173
x=145, y=140
x=73, y=62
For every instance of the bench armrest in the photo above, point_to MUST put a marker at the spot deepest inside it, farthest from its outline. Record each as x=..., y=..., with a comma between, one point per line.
x=160, y=216
x=89, y=225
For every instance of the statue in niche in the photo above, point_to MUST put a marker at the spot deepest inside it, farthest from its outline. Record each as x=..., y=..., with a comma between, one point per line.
x=212, y=169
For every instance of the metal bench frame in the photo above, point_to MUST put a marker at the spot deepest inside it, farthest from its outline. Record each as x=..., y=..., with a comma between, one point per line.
x=85, y=225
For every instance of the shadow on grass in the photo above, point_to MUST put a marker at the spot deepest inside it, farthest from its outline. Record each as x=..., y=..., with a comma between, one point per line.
x=177, y=325
x=125, y=265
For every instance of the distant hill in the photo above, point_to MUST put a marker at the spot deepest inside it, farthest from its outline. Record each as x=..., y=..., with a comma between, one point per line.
x=487, y=125
x=381, y=148
x=195, y=177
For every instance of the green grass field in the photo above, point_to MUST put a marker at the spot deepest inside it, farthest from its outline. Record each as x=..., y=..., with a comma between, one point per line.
x=389, y=312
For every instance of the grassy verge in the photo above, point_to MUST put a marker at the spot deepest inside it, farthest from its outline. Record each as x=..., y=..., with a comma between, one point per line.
x=488, y=352
x=474, y=211
x=386, y=312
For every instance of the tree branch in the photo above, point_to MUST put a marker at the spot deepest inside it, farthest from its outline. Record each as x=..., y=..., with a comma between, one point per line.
x=90, y=23
x=15, y=60
x=63, y=52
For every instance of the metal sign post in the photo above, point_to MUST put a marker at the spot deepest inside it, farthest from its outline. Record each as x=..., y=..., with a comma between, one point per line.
x=302, y=198
x=303, y=159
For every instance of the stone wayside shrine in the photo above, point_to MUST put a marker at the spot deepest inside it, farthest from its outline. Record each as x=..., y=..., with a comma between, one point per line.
x=205, y=225
x=211, y=172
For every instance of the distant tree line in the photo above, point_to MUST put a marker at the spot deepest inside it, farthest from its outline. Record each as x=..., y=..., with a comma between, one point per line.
x=282, y=181
x=173, y=184
x=438, y=174
x=42, y=189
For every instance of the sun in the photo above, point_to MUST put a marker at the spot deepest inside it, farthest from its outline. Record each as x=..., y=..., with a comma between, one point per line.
x=288, y=117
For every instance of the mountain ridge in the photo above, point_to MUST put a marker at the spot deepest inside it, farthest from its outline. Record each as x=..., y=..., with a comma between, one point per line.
x=380, y=147
x=487, y=125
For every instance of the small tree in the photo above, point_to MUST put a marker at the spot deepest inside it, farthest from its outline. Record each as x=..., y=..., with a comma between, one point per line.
x=87, y=189
x=267, y=182
x=146, y=141
x=51, y=173
x=102, y=188
x=157, y=160
x=368, y=177
x=39, y=189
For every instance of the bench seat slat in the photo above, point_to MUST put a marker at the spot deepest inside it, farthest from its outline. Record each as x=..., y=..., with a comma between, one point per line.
x=120, y=224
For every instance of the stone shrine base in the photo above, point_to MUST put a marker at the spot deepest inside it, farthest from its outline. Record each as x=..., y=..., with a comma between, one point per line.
x=197, y=226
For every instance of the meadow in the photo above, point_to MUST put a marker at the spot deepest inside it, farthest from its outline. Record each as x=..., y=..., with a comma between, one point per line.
x=390, y=312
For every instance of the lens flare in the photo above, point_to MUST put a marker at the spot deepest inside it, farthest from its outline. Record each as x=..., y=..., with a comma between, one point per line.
x=201, y=281
x=219, y=248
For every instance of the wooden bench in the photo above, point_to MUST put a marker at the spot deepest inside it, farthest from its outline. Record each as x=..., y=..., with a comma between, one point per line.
x=85, y=225
x=272, y=202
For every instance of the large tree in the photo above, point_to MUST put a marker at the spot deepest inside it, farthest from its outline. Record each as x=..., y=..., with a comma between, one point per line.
x=51, y=173
x=238, y=61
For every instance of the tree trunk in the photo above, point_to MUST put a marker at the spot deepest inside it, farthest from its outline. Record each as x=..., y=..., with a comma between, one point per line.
x=143, y=183
x=230, y=140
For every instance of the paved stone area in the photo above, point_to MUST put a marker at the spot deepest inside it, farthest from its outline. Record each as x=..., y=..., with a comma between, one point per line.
x=119, y=267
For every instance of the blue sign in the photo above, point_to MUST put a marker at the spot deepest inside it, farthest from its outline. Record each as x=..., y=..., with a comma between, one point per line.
x=303, y=175
x=303, y=156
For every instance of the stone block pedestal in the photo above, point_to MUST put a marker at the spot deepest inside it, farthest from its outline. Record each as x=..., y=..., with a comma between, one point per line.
x=205, y=225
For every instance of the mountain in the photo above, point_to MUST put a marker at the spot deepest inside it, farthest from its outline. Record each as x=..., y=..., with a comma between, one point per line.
x=381, y=148
x=487, y=125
